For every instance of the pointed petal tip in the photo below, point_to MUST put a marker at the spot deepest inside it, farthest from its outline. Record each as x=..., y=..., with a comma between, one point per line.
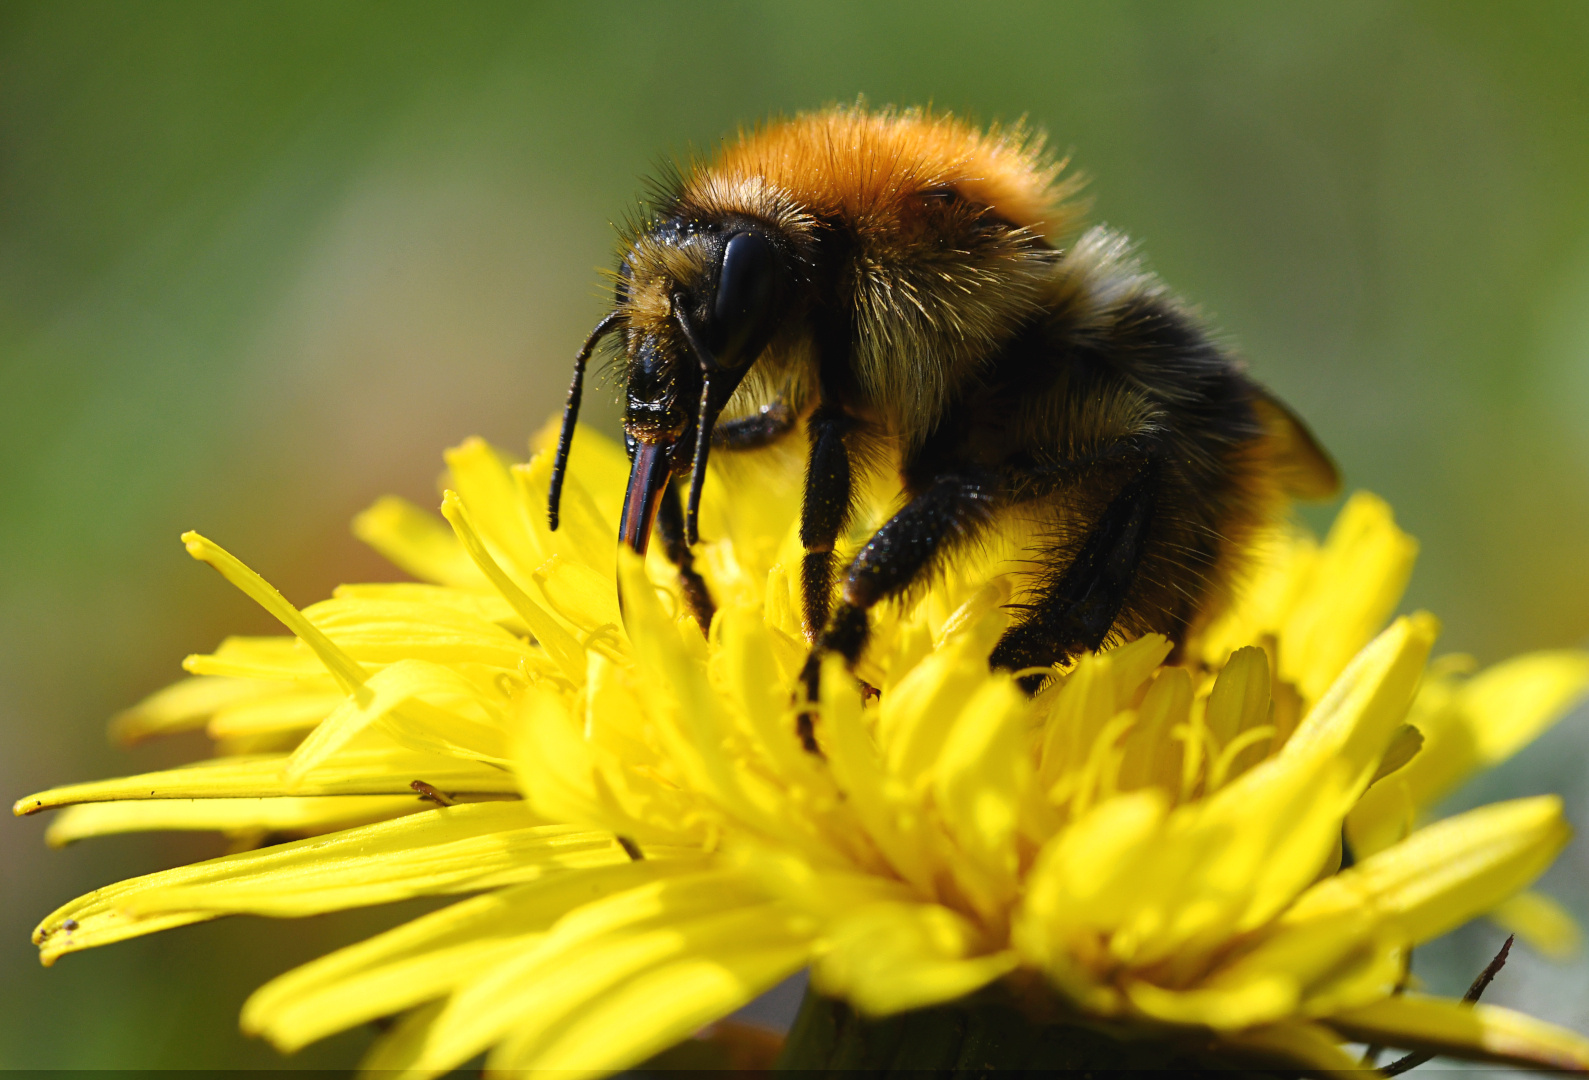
x=1457, y=1029
x=1426, y=624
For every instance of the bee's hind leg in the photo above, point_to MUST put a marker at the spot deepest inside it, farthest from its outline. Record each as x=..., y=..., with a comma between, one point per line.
x=670, y=527
x=1079, y=599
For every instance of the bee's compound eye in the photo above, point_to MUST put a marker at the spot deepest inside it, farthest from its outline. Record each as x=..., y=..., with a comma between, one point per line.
x=746, y=287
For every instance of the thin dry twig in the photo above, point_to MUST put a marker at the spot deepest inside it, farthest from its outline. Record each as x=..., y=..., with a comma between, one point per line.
x=1482, y=983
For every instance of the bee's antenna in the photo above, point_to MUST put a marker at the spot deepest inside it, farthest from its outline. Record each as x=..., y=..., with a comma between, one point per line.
x=565, y=438
x=703, y=416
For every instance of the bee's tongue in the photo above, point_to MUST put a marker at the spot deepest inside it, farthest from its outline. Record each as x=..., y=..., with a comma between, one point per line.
x=647, y=477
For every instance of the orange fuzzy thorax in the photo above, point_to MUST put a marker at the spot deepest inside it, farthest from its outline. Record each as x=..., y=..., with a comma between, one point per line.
x=859, y=165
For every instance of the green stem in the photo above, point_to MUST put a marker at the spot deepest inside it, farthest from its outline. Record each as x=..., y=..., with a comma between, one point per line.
x=974, y=1038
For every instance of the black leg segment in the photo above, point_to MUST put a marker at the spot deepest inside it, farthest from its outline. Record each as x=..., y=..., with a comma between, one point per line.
x=670, y=527
x=845, y=635
x=1079, y=601
x=826, y=510
x=900, y=555
x=950, y=511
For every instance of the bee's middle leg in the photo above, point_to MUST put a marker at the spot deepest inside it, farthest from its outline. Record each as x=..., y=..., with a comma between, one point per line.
x=829, y=498
x=949, y=511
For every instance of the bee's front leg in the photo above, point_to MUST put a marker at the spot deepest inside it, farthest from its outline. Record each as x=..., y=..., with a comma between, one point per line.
x=747, y=433
x=670, y=527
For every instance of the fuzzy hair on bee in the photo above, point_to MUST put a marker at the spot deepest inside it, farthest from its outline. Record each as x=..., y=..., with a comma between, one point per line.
x=916, y=292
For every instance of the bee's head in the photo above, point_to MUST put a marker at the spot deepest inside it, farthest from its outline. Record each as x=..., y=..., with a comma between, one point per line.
x=698, y=299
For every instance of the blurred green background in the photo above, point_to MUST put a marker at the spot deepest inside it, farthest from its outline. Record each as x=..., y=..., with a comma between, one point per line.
x=260, y=263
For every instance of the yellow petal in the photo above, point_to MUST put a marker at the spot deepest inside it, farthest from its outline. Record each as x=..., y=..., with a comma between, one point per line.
x=597, y=461
x=360, y=772
x=426, y=958
x=1384, y=816
x=393, y=1056
x=227, y=815
x=461, y=719
x=569, y=778
x=1236, y=860
x=1088, y=875
x=579, y=594
x=416, y=542
x=1080, y=708
x=1151, y=757
x=1478, y=1032
x=347, y=671
x=1356, y=582
x=593, y=491
x=751, y=672
x=483, y=604
x=1134, y=662
x=1445, y=874
x=887, y=958
x=990, y=598
x=1296, y=1043
x=385, y=631
x=1541, y=922
x=981, y=775
x=290, y=711
x=590, y=953
x=1509, y=705
x=1355, y=721
x=184, y=706
x=586, y=536
x=1240, y=698
x=1254, y=1001
x=457, y=866
x=695, y=731
x=557, y=641
x=1477, y=724
x=483, y=480
x=918, y=712
x=1337, y=962
x=859, y=773
x=457, y=849
x=1404, y=746
x=557, y=766
x=650, y=1012
x=826, y=892
x=272, y=659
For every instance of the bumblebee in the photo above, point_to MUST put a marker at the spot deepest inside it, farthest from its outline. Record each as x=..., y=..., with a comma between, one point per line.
x=898, y=284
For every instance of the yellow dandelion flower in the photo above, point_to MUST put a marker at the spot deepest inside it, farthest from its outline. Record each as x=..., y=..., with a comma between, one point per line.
x=1144, y=852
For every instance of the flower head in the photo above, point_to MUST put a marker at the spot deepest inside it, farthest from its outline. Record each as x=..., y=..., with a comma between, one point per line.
x=1153, y=840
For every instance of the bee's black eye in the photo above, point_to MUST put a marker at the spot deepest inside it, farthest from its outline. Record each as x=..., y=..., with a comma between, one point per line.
x=746, y=288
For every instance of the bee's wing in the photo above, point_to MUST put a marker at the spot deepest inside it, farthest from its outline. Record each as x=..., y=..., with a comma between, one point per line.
x=1304, y=469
